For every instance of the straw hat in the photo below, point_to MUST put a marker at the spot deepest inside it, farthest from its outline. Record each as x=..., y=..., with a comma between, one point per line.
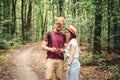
x=72, y=29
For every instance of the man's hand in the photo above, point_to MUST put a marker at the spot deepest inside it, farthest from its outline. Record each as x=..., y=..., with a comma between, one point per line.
x=53, y=49
x=60, y=50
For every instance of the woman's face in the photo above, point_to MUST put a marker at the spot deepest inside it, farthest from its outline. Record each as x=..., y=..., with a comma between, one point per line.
x=68, y=35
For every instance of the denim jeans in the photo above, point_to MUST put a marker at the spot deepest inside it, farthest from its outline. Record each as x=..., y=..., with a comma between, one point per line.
x=74, y=70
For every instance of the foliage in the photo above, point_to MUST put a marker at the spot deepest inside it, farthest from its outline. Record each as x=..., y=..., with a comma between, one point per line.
x=84, y=60
x=2, y=54
x=92, y=59
x=9, y=41
x=115, y=71
x=100, y=62
x=2, y=59
x=79, y=13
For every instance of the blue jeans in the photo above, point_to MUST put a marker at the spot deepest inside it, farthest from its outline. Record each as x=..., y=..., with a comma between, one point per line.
x=74, y=70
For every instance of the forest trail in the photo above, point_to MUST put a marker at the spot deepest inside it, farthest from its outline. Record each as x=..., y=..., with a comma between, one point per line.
x=29, y=63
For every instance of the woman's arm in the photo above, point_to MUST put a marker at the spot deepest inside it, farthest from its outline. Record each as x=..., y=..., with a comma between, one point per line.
x=72, y=52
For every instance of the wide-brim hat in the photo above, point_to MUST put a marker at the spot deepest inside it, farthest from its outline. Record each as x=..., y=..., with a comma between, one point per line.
x=72, y=29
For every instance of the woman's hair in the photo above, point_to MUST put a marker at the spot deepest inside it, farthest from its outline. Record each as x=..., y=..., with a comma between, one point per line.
x=72, y=35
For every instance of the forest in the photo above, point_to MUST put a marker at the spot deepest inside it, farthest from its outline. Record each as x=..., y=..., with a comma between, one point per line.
x=97, y=23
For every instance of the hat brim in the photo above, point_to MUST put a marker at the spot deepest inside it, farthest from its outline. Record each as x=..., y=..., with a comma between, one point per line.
x=73, y=32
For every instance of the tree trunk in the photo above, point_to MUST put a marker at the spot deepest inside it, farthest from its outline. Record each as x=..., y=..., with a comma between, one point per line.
x=6, y=17
x=97, y=30
x=23, y=20
x=53, y=13
x=74, y=10
x=13, y=27
x=119, y=28
x=1, y=12
x=115, y=32
x=109, y=25
x=60, y=7
x=116, y=46
x=29, y=21
x=44, y=25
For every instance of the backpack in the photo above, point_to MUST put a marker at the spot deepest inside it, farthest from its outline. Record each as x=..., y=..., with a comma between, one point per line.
x=50, y=40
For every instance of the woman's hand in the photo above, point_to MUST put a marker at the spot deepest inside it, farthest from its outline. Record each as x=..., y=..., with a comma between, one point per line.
x=68, y=69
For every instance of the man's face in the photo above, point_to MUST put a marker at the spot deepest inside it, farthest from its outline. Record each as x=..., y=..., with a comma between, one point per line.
x=59, y=25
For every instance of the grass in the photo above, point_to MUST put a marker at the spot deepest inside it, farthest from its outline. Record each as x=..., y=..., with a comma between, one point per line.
x=2, y=56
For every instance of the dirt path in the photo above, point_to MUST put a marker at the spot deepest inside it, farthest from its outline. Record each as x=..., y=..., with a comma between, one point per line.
x=29, y=63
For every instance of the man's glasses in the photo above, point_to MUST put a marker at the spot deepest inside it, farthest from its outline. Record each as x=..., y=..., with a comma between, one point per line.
x=59, y=24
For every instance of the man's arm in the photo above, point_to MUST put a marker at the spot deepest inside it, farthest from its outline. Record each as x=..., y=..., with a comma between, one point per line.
x=45, y=47
x=62, y=50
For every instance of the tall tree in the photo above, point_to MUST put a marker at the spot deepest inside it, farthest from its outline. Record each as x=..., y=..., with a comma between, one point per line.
x=1, y=12
x=23, y=19
x=29, y=20
x=53, y=11
x=60, y=7
x=44, y=24
x=97, y=29
x=109, y=24
x=74, y=8
x=115, y=16
x=13, y=27
x=119, y=27
x=6, y=16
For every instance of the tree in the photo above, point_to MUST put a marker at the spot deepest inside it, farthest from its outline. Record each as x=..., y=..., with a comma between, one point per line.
x=23, y=20
x=29, y=21
x=113, y=26
x=60, y=7
x=13, y=27
x=7, y=16
x=109, y=25
x=97, y=30
x=115, y=21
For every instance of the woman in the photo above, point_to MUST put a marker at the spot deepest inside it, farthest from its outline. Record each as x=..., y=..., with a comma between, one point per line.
x=72, y=53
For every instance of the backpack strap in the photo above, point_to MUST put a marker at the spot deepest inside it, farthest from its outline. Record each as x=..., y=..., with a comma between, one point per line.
x=49, y=38
x=64, y=37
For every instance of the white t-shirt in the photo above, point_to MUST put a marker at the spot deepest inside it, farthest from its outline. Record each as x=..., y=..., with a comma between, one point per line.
x=75, y=44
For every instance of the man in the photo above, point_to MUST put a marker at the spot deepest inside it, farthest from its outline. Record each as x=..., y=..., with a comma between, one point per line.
x=54, y=64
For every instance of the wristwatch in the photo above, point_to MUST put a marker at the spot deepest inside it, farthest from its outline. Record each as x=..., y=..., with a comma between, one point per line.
x=68, y=64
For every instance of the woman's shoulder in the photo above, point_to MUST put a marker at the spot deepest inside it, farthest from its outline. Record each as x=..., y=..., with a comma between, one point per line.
x=73, y=40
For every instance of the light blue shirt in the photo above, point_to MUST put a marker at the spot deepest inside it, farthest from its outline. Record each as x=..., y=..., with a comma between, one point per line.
x=75, y=44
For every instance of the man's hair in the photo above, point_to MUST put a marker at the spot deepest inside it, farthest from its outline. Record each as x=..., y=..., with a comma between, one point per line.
x=61, y=18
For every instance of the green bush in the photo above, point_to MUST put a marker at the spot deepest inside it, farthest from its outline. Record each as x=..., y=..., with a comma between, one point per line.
x=115, y=71
x=92, y=59
x=1, y=58
x=84, y=60
x=9, y=41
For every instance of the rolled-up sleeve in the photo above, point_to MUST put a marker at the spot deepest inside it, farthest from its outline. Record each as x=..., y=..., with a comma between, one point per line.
x=73, y=42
